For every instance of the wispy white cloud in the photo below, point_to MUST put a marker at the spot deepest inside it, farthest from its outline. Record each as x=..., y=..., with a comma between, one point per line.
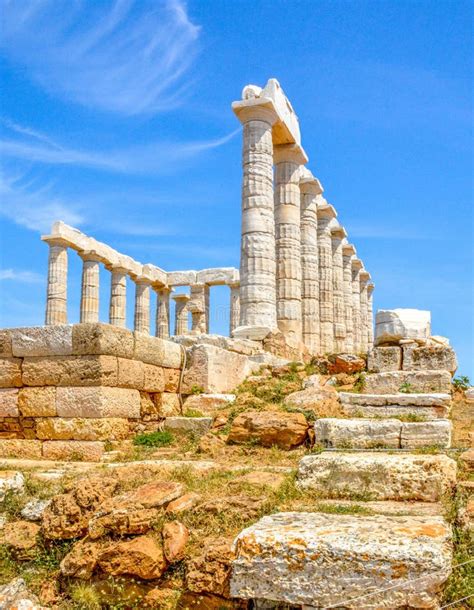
x=16, y=275
x=125, y=56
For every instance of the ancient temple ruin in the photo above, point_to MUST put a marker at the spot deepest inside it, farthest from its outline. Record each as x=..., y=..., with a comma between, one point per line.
x=299, y=274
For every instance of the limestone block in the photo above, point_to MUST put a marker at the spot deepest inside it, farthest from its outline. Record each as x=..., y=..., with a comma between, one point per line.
x=97, y=402
x=173, y=356
x=37, y=402
x=80, y=451
x=11, y=480
x=53, y=340
x=214, y=370
x=168, y=404
x=25, y=448
x=149, y=349
x=10, y=373
x=268, y=428
x=131, y=373
x=253, y=333
x=357, y=433
x=78, y=429
x=70, y=370
x=429, y=406
x=382, y=359
x=394, y=324
x=413, y=381
x=5, y=344
x=217, y=276
x=181, y=278
x=432, y=357
x=102, y=339
x=426, y=434
x=325, y=561
x=378, y=476
x=209, y=403
x=9, y=402
x=241, y=346
x=197, y=426
x=171, y=379
x=154, y=379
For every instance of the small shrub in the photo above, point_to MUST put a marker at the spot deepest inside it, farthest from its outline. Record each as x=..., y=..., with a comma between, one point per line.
x=160, y=438
x=461, y=383
x=406, y=388
x=359, y=383
x=197, y=389
x=193, y=413
x=85, y=596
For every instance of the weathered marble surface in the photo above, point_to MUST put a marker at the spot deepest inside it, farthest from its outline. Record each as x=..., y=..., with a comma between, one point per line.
x=428, y=406
x=391, y=325
x=411, y=381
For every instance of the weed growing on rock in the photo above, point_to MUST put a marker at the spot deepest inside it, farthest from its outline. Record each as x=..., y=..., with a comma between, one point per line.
x=461, y=382
x=160, y=438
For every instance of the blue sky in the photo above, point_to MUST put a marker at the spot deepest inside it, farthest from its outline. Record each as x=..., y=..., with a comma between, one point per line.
x=115, y=117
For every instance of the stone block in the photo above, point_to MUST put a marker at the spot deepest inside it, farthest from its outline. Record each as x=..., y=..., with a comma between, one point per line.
x=357, y=433
x=37, y=402
x=181, y=278
x=409, y=381
x=10, y=373
x=198, y=426
x=5, y=344
x=325, y=561
x=171, y=379
x=149, y=349
x=42, y=341
x=218, y=276
x=174, y=356
x=82, y=429
x=70, y=370
x=395, y=324
x=74, y=451
x=130, y=373
x=97, y=402
x=154, y=378
x=9, y=402
x=20, y=448
x=269, y=428
x=168, y=404
x=428, y=406
x=378, y=476
x=382, y=359
x=426, y=434
x=209, y=403
x=215, y=370
x=429, y=357
x=150, y=407
x=102, y=339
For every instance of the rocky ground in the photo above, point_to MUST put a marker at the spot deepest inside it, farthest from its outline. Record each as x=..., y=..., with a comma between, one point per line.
x=153, y=525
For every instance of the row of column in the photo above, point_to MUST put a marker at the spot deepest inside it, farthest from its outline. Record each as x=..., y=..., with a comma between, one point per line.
x=196, y=303
x=298, y=273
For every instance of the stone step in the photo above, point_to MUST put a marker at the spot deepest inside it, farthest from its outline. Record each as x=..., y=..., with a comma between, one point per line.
x=343, y=561
x=359, y=433
x=426, y=406
x=191, y=425
x=378, y=475
x=410, y=381
x=387, y=507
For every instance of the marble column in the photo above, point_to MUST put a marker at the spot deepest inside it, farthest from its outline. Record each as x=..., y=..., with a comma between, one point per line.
x=370, y=309
x=234, y=306
x=337, y=235
x=181, y=314
x=90, y=287
x=364, y=313
x=348, y=252
x=56, y=297
x=356, y=313
x=118, y=297
x=326, y=304
x=162, y=321
x=310, y=191
x=199, y=307
x=257, y=255
x=142, y=307
x=288, y=159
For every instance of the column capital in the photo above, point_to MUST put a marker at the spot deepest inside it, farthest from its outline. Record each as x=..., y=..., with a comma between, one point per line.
x=370, y=288
x=364, y=275
x=161, y=289
x=55, y=240
x=289, y=153
x=235, y=284
x=348, y=249
x=184, y=298
x=91, y=255
x=310, y=185
x=326, y=211
x=262, y=109
x=357, y=264
x=337, y=230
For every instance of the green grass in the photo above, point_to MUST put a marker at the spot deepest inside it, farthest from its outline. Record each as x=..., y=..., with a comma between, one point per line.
x=160, y=438
x=193, y=413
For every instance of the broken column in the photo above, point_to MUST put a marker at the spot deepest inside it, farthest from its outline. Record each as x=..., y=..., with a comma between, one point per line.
x=118, y=297
x=338, y=233
x=310, y=189
x=142, y=306
x=198, y=305
x=234, y=306
x=56, y=297
x=288, y=159
x=364, y=312
x=356, y=315
x=181, y=314
x=90, y=287
x=348, y=252
x=162, y=328
x=326, y=304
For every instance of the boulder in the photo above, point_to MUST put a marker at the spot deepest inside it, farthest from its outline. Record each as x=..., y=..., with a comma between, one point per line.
x=175, y=537
x=357, y=433
x=408, y=382
x=268, y=428
x=322, y=401
x=429, y=357
x=384, y=358
x=209, y=570
x=15, y=596
x=20, y=538
x=241, y=506
x=142, y=557
x=34, y=509
x=81, y=560
x=349, y=561
x=122, y=520
x=198, y=426
x=212, y=445
x=164, y=599
x=394, y=324
x=378, y=476
x=183, y=503
x=428, y=406
x=346, y=363
x=11, y=480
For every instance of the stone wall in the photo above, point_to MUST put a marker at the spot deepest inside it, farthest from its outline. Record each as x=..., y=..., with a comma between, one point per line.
x=66, y=389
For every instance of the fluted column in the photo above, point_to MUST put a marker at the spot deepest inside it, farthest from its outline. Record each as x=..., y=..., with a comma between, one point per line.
x=370, y=309
x=56, y=297
x=118, y=297
x=257, y=257
x=234, y=306
x=310, y=190
x=364, y=312
x=162, y=320
x=199, y=307
x=337, y=235
x=326, y=305
x=181, y=314
x=142, y=306
x=288, y=159
x=356, y=313
x=90, y=288
x=348, y=251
